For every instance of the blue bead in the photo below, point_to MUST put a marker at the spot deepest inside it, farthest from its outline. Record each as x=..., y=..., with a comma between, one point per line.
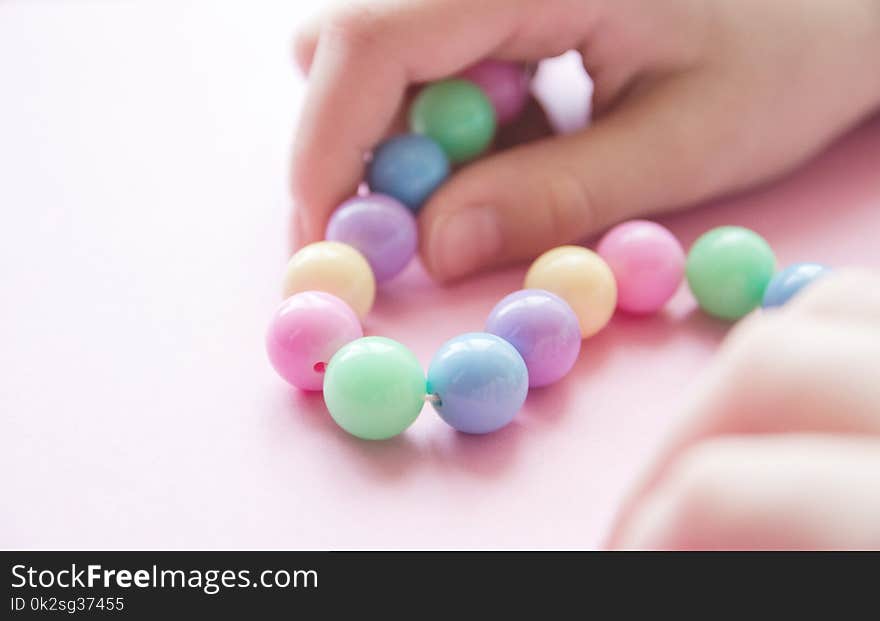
x=789, y=281
x=479, y=381
x=409, y=168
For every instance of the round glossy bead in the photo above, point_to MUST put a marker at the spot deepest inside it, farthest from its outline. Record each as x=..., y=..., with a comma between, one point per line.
x=648, y=264
x=409, y=168
x=728, y=270
x=335, y=268
x=506, y=84
x=480, y=382
x=305, y=332
x=544, y=330
x=380, y=228
x=458, y=115
x=784, y=285
x=581, y=278
x=374, y=388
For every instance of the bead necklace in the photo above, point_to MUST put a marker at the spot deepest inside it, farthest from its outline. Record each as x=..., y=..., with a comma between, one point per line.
x=375, y=388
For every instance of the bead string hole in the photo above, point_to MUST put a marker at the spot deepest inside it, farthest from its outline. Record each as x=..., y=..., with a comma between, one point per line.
x=320, y=367
x=434, y=399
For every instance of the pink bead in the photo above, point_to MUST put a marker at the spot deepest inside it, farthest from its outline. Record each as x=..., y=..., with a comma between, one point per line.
x=506, y=84
x=648, y=264
x=307, y=330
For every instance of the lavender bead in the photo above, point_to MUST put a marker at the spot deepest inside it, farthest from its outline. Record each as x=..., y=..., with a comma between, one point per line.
x=543, y=328
x=378, y=226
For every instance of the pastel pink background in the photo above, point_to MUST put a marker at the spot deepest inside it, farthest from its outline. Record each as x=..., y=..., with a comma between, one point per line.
x=143, y=154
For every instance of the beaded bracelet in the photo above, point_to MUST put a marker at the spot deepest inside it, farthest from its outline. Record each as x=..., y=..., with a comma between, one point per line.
x=375, y=388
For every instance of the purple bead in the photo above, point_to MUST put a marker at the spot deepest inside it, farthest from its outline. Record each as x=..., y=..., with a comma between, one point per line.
x=506, y=84
x=543, y=328
x=378, y=226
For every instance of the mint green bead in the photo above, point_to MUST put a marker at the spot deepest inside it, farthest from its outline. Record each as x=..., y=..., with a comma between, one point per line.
x=457, y=115
x=374, y=388
x=728, y=270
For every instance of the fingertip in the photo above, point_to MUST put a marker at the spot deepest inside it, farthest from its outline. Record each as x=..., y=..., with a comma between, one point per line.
x=313, y=201
x=299, y=193
x=305, y=42
x=849, y=294
x=645, y=531
x=673, y=513
x=460, y=242
x=508, y=207
x=298, y=234
x=303, y=53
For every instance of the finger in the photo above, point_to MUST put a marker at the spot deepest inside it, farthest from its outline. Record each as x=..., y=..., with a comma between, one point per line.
x=848, y=294
x=306, y=41
x=777, y=373
x=647, y=156
x=791, y=373
x=768, y=492
x=364, y=60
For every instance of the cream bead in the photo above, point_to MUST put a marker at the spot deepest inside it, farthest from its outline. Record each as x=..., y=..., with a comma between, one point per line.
x=580, y=277
x=334, y=268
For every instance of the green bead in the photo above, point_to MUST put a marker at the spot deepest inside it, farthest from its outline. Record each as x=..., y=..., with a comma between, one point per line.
x=456, y=114
x=728, y=270
x=374, y=388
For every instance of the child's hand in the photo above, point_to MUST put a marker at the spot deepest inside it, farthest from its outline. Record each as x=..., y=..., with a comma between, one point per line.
x=781, y=444
x=693, y=97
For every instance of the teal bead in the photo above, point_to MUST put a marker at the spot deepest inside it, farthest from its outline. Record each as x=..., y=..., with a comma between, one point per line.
x=728, y=270
x=457, y=115
x=374, y=388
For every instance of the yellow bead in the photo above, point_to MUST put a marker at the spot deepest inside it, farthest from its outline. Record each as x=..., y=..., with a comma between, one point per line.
x=581, y=278
x=334, y=268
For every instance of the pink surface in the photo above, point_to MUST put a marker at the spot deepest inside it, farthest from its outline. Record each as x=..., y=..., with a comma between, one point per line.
x=144, y=211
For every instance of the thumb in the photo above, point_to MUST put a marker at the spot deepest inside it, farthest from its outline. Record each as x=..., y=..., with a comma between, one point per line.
x=645, y=157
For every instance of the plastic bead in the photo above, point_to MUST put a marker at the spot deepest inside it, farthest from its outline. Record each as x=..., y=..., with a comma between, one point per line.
x=458, y=115
x=648, y=265
x=581, y=278
x=728, y=270
x=506, y=84
x=409, y=168
x=543, y=328
x=305, y=332
x=374, y=388
x=479, y=382
x=787, y=283
x=379, y=227
x=335, y=268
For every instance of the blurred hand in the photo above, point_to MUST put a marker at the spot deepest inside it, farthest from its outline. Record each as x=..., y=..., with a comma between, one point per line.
x=781, y=444
x=692, y=97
